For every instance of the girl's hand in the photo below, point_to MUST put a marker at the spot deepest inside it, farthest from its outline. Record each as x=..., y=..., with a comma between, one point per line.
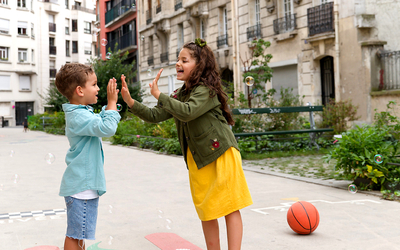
x=154, y=86
x=112, y=94
x=125, y=92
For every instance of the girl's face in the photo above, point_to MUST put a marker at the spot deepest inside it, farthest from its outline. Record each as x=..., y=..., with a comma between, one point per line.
x=184, y=65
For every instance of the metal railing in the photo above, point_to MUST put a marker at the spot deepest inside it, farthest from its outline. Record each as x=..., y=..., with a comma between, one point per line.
x=52, y=50
x=178, y=4
x=50, y=1
x=78, y=7
x=320, y=19
x=119, y=9
x=222, y=40
x=285, y=24
x=164, y=57
x=87, y=31
x=158, y=8
x=148, y=17
x=254, y=32
x=52, y=27
x=124, y=41
x=390, y=72
x=150, y=60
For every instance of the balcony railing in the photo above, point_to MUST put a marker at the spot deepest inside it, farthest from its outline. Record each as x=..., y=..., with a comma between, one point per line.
x=52, y=50
x=78, y=7
x=178, y=4
x=50, y=1
x=164, y=57
x=320, y=19
x=158, y=8
x=119, y=9
x=390, y=72
x=285, y=24
x=53, y=73
x=87, y=31
x=150, y=60
x=52, y=27
x=222, y=40
x=148, y=17
x=254, y=32
x=124, y=41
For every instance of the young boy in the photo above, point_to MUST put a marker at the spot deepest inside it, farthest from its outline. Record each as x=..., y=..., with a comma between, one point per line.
x=83, y=180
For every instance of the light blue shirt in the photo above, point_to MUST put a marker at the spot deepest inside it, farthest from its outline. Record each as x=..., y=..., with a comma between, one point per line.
x=85, y=158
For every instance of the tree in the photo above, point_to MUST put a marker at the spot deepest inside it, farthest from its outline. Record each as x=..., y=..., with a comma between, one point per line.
x=54, y=98
x=114, y=66
x=256, y=66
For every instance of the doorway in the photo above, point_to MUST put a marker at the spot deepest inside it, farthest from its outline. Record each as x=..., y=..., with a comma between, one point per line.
x=327, y=79
x=22, y=110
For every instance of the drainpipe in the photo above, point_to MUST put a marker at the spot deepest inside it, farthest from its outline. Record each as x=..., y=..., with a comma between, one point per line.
x=235, y=50
x=337, y=51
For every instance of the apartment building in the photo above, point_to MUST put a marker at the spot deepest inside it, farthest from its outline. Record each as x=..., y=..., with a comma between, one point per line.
x=117, y=25
x=36, y=39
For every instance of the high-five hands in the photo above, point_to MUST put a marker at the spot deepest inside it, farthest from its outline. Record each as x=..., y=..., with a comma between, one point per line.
x=112, y=94
x=125, y=92
x=154, y=86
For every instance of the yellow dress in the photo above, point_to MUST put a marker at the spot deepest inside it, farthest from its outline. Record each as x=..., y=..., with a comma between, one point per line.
x=219, y=188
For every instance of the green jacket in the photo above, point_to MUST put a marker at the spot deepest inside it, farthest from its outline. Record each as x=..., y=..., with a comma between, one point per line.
x=198, y=119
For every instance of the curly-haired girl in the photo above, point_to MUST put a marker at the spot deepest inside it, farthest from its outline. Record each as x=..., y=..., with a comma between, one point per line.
x=211, y=153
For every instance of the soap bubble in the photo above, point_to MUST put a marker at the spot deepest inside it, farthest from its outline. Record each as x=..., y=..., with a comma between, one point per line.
x=149, y=72
x=108, y=55
x=142, y=38
x=119, y=107
x=352, y=188
x=12, y=153
x=104, y=42
x=378, y=158
x=249, y=81
x=15, y=178
x=50, y=158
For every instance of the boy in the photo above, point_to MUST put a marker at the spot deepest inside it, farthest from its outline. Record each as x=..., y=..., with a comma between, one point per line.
x=83, y=180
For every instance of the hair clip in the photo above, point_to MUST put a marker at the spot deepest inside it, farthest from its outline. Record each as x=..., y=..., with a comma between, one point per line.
x=198, y=42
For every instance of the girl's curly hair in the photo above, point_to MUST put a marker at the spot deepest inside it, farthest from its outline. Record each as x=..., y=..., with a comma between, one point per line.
x=206, y=71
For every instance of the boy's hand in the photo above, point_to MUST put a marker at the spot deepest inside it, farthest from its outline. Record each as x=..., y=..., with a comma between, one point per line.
x=125, y=92
x=112, y=94
x=154, y=86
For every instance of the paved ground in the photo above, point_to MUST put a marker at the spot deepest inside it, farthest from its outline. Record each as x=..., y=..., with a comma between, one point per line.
x=149, y=193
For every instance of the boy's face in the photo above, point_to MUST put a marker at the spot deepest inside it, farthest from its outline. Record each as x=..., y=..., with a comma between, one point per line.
x=91, y=90
x=184, y=65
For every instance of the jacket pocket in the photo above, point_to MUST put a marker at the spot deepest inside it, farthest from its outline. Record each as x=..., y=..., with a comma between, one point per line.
x=208, y=142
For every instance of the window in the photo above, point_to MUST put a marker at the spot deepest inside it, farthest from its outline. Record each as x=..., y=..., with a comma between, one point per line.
x=180, y=35
x=74, y=25
x=4, y=26
x=88, y=28
x=67, y=48
x=32, y=30
x=88, y=48
x=66, y=4
x=4, y=53
x=24, y=83
x=225, y=21
x=21, y=3
x=74, y=47
x=67, y=26
x=5, y=2
x=202, y=29
x=325, y=1
x=33, y=56
x=22, y=55
x=258, y=18
x=78, y=4
x=5, y=82
x=287, y=4
x=22, y=26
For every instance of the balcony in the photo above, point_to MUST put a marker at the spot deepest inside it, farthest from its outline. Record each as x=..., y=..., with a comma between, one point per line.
x=178, y=4
x=320, y=19
x=53, y=73
x=51, y=6
x=127, y=40
x=52, y=27
x=222, y=41
x=150, y=60
x=254, y=32
x=285, y=24
x=164, y=57
x=158, y=8
x=148, y=17
x=78, y=7
x=121, y=8
x=52, y=50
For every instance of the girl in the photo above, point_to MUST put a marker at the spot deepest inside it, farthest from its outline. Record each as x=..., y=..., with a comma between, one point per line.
x=202, y=118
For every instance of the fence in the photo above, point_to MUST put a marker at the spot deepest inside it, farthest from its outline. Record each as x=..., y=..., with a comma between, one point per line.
x=390, y=72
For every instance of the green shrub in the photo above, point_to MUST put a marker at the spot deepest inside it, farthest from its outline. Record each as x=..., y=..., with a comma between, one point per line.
x=337, y=115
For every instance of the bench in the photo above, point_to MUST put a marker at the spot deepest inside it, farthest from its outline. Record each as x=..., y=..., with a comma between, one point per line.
x=313, y=132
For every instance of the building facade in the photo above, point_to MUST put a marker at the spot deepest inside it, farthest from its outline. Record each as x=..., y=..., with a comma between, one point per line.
x=323, y=49
x=37, y=38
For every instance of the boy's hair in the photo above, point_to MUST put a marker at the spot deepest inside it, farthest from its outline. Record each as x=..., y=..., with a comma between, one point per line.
x=206, y=71
x=70, y=76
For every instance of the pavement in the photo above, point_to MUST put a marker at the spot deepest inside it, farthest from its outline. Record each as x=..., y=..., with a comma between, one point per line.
x=148, y=194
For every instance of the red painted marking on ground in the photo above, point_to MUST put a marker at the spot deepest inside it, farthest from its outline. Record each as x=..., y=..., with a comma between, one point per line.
x=43, y=248
x=171, y=241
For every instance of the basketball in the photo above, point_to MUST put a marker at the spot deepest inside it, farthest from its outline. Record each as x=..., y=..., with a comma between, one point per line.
x=303, y=217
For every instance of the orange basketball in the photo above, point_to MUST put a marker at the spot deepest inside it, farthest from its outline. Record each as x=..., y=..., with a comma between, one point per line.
x=303, y=217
